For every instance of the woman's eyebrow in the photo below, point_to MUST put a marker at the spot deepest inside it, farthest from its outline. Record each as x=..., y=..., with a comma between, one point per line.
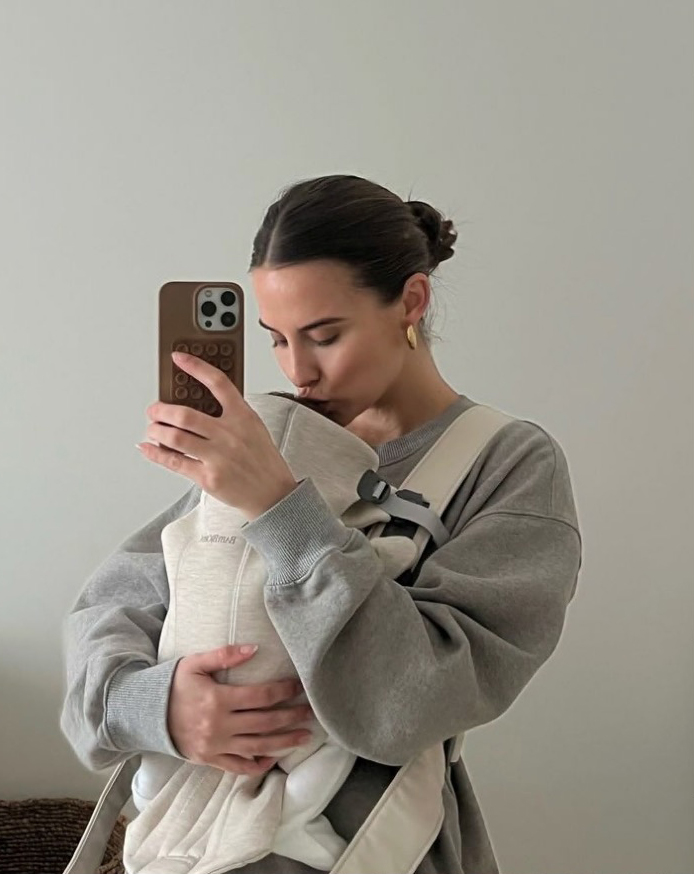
x=319, y=324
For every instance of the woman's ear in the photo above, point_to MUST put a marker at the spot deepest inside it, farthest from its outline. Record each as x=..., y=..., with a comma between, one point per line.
x=416, y=294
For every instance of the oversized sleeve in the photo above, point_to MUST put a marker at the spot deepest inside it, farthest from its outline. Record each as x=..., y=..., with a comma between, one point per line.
x=392, y=669
x=116, y=697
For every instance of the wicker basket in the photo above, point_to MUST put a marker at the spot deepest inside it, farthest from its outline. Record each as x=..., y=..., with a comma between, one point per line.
x=39, y=836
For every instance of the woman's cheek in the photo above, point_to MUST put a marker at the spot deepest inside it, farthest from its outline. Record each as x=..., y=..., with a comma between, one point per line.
x=341, y=365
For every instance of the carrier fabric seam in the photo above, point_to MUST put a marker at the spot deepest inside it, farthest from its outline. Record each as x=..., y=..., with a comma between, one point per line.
x=231, y=630
x=173, y=588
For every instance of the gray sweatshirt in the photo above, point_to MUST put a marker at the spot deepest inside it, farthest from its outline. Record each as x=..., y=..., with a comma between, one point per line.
x=391, y=669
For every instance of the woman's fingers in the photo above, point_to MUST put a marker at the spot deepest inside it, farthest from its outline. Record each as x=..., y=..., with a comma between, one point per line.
x=231, y=457
x=170, y=437
x=219, y=659
x=183, y=417
x=269, y=721
x=229, y=726
x=219, y=384
x=265, y=745
x=259, y=696
x=196, y=715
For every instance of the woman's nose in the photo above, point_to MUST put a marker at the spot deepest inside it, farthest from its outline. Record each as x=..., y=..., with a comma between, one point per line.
x=302, y=371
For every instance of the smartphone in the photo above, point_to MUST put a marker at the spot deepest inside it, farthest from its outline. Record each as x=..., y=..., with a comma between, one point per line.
x=204, y=319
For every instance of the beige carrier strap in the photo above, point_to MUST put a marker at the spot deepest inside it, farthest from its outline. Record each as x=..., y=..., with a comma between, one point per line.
x=456, y=748
x=90, y=851
x=441, y=471
x=414, y=796
x=383, y=843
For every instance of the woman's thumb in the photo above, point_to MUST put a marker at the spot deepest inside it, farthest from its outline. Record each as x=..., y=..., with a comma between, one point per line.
x=223, y=657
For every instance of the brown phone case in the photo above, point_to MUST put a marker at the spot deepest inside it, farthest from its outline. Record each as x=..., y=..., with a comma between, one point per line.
x=204, y=319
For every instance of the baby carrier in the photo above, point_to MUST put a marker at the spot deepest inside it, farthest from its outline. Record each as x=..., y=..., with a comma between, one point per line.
x=411, y=808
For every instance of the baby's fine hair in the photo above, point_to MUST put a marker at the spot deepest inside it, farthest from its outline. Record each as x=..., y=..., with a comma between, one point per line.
x=316, y=406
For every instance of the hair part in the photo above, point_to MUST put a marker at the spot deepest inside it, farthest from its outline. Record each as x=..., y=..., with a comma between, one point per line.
x=349, y=219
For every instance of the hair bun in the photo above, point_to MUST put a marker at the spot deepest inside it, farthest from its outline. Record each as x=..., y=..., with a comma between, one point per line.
x=440, y=233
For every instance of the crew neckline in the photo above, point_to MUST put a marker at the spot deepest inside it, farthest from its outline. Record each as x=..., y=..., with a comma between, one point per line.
x=400, y=447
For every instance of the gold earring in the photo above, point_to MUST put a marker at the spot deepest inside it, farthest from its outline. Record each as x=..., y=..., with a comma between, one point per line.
x=412, y=337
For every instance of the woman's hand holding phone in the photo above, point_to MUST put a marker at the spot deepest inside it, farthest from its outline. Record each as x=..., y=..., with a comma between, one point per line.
x=231, y=456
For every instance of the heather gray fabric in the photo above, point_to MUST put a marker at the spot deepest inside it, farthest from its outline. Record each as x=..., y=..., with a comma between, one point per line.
x=391, y=669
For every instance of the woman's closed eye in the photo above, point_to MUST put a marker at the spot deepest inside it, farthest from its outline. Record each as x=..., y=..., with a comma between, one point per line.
x=278, y=341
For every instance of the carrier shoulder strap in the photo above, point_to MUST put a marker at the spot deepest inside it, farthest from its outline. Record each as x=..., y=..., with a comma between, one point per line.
x=89, y=853
x=414, y=794
x=437, y=477
x=411, y=808
x=426, y=492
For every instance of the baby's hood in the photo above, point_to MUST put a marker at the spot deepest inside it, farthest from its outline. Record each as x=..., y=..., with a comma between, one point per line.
x=316, y=447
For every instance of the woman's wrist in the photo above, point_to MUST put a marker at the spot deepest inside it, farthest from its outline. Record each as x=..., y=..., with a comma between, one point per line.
x=270, y=499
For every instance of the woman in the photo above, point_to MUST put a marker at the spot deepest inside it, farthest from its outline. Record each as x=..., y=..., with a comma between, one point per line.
x=340, y=269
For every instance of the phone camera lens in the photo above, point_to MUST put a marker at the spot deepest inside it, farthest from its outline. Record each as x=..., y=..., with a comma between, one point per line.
x=228, y=298
x=208, y=308
x=228, y=320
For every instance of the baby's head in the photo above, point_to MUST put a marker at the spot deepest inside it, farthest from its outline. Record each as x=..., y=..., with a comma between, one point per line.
x=316, y=406
x=316, y=446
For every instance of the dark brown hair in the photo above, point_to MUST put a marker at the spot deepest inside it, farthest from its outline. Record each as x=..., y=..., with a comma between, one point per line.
x=383, y=238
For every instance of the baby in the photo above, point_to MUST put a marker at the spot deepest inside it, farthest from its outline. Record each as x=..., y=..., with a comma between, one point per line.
x=197, y=819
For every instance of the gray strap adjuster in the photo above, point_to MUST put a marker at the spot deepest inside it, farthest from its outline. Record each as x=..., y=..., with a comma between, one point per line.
x=401, y=505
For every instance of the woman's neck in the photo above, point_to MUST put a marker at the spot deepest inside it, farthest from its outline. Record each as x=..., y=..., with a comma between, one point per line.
x=419, y=395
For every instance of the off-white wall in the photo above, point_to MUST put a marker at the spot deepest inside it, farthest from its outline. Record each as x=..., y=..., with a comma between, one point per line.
x=142, y=142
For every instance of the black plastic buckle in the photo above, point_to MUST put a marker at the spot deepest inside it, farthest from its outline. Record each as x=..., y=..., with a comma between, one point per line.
x=372, y=488
x=412, y=497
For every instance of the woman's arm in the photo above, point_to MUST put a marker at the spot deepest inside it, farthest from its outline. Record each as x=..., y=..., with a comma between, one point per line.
x=117, y=695
x=389, y=669
x=119, y=701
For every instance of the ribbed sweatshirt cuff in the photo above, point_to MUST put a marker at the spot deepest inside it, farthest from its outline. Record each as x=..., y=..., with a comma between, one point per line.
x=294, y=534
x=137, y=700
